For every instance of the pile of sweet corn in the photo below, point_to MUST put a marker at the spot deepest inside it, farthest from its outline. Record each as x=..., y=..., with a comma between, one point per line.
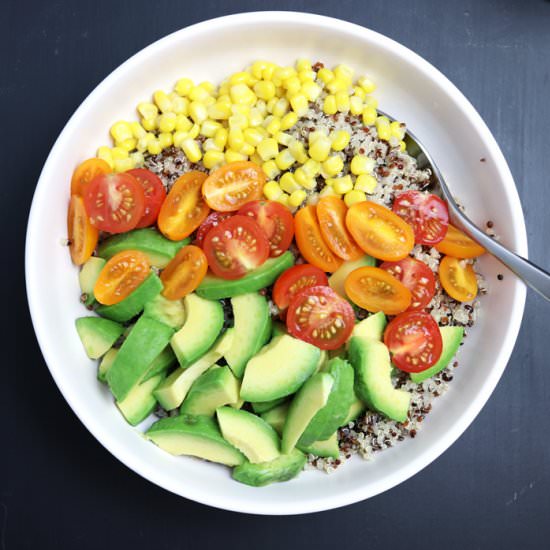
x=248, y=118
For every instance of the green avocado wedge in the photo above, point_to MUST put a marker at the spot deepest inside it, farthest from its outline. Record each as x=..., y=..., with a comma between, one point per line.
x=372, y=327
x=337, y=280
x=97, y=335
x=216, y=288
x=140, y=402
x=276, y=417
x=169, y=312
x=87, y=278
x=326, y=448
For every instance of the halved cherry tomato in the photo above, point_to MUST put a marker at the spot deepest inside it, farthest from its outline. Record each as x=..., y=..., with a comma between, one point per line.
x=212, y=220
x=184, y=272
x=120, y=276
x=374, y=289
x=276, y=221
x=235, y=247
x=311, y=243
x=114, y=202
x=417, y=277
x=331, y=213
x=458, y=278
x=379, y=232
x=459, y=245
x=294, y=280
x=154, y=193
x=184, y=209
x=233, y=185
x=86, y=172
x=426, y=213
x=81, y=233
x=319, y=316
x=414, y=340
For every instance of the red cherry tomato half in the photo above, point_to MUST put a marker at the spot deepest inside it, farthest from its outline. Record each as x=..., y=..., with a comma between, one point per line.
x=212, y=220
x=319, y=316
x=294, y=280
x=417, y=277
x=154, y=193
x=427, y=214
x=235, y=246
x=114, y=202
x=414, y=340
x=276, y=221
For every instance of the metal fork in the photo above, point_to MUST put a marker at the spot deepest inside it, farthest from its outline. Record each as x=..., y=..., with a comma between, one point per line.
x=532, y=275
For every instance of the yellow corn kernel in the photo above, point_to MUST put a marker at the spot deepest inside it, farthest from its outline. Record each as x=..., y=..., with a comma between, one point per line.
x=337, y=85
x=366, y=183
x=367, y=84
x=344, y=72
x=138, y=131
x=288, y=183
x=198, y=112
x=183, y=124
x=329, y=105
x=240, y=110
x=284, y=159
x=121, y=131
x=271, y=104
x=119, y=153
x=256, y=159
x=280, y=108
x=310, y=184
x=283, y=73
x=238, y=122
x=272, y=190
x=128, y=144
x=292, y=86
x=271, y=170
x=257, y=67
x=143, y=142
x=361, y=164
x=219, y=111
x=212, y=158
x=224, y=99
x=210, y=145
x=383, y=128
x=247, y=149
x=242, y=94
x=104, y=153
x=289, y=120
x=355, y=105
x=154, y=147
x=167, y=122
x=253, y=136
x=341, y=185
x=311, y=168
x=166, y=139
x=220, y=138
x=272, y=124
x=314, y=136
x=320, y=149
x=299, y=104
x=333, y=165
x=183, y=86
x=342, y=101
x=371, y=102
x=198, y=94
x=208, y=86
x=209, y=128
x=353, y=196
x=264, y=89
x=194, y=132
x=303, y=64
x=123, y=165
x=209, y=101
x=268, y=149
x=138, y=159
x=162, y=101
x=307, y=76
x=255, y=117
x=178, y=138
x=147, y=110
x=149, y=124
x=268, y=72
x=402, y=146
x=297, y=198
x=325, y=75
x=339, y=140
x=359, y=92
x=298, y=151
x=328, y=191
x=191, y=149
x=302, y=178
x=311, y=90
x=369, y=116
x=397, y=130
x=180, y=105
x=283, y=199
x=283, y=139
x=234, y=156
x=239, y=78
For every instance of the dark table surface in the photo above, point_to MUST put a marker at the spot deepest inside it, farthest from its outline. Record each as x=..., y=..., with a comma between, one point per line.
x=59, y=488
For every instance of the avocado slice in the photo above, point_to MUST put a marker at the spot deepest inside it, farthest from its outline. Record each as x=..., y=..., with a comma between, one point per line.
x=322, y=364
x=140, y=402
x=372, y=327
x=249, y=433
x=216, y=288
x=329, y=418
x=283, y=468
x=252, y=330
x=169, y=312
x=105, y=364
x=452, y=338
x=276, y=417
x=161, y=364
x=356, y=408
x=373, y=385
x=338, y=278
x=203, y=324
x=144, y=343
x=279, y=369
x=97, y=335
x=213, y=389
x=264, y=406
x=327, y=448
x=134, y=303
x=311, y=398
x=87, y=277
x=158, y=249
x=195, y=436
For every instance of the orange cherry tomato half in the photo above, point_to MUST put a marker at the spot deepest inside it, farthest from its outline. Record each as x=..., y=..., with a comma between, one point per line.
x=233, y=185
x=331, y=213
x=184, y=209
x=459, y=245
x=414, y=341
x=311, y=243
x=82, y=234
x=458, y=278
x=374, y=289
x=154, y=194
x=120, y=276
x=275, y=219
x=184, y=272
x=379, y=232
x=294, y=280
x=86, y=172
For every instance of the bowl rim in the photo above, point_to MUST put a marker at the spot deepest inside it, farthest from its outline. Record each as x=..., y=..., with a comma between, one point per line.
x=229, y=502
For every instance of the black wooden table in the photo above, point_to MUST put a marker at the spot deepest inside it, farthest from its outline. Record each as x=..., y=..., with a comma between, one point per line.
x=59, y=488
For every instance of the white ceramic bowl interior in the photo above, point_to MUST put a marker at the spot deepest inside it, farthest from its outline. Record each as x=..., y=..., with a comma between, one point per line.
x=411, y=90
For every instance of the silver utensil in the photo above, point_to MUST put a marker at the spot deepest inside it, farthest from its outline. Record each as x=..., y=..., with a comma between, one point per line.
x=532, y=275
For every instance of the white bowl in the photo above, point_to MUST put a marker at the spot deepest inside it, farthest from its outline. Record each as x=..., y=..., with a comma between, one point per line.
x=411, y=90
